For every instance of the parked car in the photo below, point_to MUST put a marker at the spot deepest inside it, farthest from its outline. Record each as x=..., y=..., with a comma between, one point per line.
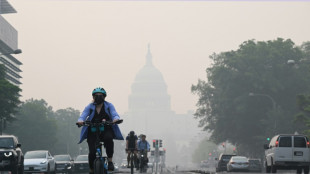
x=222, y=162
x=238, y=163
x=81, y=164
x=11, y=155
x=255, y=165
x=39, y=161
x=287, y=152
x=64, y=163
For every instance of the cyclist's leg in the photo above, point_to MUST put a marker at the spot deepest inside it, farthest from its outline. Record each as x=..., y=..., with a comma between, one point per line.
x=91, y=140
x=109, y=145
x=128, y=158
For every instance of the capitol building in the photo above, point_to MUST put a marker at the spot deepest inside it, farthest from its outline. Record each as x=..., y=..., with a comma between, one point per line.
x=149, y=113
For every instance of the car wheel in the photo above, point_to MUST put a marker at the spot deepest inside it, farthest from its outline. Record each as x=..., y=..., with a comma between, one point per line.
x=273, y=168
x=14, y=170
x=306, y=170
x=48, y=169
x=268, y=168
x=299, y=170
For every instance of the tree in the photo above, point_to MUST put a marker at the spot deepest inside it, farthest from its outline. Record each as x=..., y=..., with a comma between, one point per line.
x=225, y=107
x=9, y=97
x=203, y=151
x=34, y=128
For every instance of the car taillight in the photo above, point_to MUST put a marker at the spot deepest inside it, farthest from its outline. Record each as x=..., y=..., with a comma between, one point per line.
x=232, y=162
x=308, y=144
x=277, y=143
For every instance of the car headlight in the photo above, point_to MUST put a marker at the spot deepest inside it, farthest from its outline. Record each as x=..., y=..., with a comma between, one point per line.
x=8, y=154
x=43, y=162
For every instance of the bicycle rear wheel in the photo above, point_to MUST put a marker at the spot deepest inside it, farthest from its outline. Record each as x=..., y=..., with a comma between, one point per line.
x=99, y=167
x=131, y=164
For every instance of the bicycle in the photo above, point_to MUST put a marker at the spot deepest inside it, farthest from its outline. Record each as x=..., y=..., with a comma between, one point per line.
x=100, y=162
x=143, y=161
x=132, y=159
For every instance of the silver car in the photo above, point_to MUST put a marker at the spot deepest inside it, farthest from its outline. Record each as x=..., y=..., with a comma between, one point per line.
x=39, y=161
x=238, y=163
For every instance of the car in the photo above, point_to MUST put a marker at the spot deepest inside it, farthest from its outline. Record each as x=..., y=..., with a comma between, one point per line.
x=238, y=163
x=255, y=165
x=39, y=161
x=11, y=155
x=287, y=152
x=222, y=162
x=64, y=163
x=81, y=164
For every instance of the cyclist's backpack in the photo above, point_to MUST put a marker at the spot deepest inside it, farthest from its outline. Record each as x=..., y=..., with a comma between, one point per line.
x=132, y=142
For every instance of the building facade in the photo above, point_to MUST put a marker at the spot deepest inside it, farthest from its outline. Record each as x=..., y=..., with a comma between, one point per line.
x=150, y=113
x=9, y=45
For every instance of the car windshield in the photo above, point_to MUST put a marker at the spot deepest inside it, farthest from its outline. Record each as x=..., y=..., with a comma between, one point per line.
x=226, y=157
x=254, y=161
x=6, y=143
x=35, y=154
x=239, y=159
x=62, y=158
x=82, y=158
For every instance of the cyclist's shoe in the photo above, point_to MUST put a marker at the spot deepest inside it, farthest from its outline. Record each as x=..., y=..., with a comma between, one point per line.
x=91, y=171
x=110, y=166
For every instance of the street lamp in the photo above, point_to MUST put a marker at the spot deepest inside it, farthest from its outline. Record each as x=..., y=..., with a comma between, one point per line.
x=17, y=51
x=274, y=105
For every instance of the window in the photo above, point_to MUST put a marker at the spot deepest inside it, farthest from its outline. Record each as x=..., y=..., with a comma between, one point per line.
x=285, y=141
x=300, y=142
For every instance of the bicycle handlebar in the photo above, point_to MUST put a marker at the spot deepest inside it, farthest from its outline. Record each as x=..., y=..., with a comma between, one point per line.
x=89, y=123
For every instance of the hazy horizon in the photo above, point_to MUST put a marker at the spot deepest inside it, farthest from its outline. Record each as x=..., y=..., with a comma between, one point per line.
x=71, y=47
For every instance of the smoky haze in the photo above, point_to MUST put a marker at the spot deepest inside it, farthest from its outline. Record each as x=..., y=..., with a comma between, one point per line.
x=71, y=47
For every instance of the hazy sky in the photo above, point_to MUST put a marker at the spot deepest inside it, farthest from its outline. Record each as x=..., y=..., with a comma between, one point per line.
x=71, y=47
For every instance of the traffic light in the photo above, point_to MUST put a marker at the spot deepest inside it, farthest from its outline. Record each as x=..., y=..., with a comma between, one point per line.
x=268, y=139
x=160, y=143
x=234, y=149
x=223, y=144
x=210, y=154
x=154, y=141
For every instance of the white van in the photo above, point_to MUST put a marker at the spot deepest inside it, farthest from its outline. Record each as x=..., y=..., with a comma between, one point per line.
x=287, y=152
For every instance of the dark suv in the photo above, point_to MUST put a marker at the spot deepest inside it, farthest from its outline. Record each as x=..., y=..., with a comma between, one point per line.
x=222, y=162
x=11, y=156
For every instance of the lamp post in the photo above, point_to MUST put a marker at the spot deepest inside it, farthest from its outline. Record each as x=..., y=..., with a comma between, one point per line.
x=274, y=105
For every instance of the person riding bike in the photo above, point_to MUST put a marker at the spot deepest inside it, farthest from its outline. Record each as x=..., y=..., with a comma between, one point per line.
x=131, y=146
x=97, y=111
x=143, y=145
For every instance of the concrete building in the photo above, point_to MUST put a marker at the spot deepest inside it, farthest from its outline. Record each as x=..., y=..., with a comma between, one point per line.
x=9, y=45
x=150, y=113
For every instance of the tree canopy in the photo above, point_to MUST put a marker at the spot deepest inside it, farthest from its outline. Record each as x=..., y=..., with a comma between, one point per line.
x=228, y=110
x=9, y=97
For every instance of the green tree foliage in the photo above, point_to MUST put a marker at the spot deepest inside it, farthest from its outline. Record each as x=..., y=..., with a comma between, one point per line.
x=9, y=97
x=34, y=128
x=67, y=133
x=225, y=107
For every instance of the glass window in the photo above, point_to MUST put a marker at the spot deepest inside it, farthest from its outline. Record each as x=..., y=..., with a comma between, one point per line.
x=62, y=158
x=285, y=141
x=6, y=143
x=82, y=158
x=300, y=142
x=35, y=154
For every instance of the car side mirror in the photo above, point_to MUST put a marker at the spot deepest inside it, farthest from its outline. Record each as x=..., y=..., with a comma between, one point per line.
x=266, y=146
x=18, y=145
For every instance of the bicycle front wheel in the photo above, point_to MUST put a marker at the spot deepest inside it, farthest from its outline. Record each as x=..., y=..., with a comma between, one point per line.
x=99, y=167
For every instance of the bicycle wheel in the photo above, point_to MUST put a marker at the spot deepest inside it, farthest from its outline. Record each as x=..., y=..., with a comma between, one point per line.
x=131, y=164
x=99, y=166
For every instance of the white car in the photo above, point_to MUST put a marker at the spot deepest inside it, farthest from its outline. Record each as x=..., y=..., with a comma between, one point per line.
x=39, y=161
x=288, y=152
x=238, y=163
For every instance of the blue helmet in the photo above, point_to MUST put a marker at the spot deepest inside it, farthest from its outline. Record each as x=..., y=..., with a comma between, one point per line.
x=99, y=90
